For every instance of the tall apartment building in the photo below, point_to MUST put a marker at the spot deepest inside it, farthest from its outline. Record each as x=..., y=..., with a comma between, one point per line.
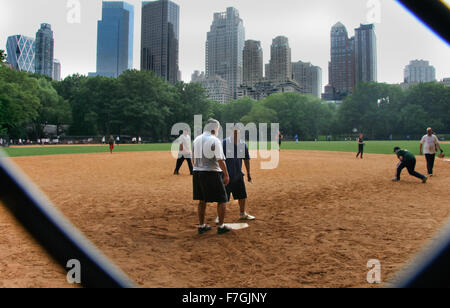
x=224, y=48
x=56, y=70
x=21, y=53
x=280, y=66
x=365, y=54
x=115, y=33
x=309, y=77
x=252, y=63
x=353, y=59
x=160, y=35
x=341, y=67
x=44, y=50
x=419, y=71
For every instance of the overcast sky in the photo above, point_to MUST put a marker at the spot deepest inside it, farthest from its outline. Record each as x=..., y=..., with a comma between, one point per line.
x=306, y=23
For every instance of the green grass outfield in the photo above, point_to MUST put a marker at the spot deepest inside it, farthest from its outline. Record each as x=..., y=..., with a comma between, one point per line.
x=372, y=147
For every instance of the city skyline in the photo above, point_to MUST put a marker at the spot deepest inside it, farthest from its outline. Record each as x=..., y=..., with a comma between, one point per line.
x=306, y=25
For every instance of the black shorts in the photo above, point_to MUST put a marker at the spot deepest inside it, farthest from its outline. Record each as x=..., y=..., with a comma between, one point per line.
x=209, y=187
x=237, y=188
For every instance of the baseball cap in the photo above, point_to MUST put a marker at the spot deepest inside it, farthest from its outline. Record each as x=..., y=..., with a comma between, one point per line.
x=396, y=149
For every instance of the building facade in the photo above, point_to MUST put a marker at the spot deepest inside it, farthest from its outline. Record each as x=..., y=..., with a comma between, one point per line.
x=160, y=39
x=446, y=82
x=280, y=66
x=419, y=71
x=21, y=53
x=252, y=63
x=115, y=39
x=365, y=54
x=44, y=50
x=216, y=88
x=341, y=66
x=224, y=48
x=56, y=70
x=309, y=77
x=265, y=88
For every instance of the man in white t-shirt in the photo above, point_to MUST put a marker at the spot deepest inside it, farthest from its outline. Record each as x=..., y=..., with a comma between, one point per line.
x=210, y=176
x=184, y=153
x=428, y=146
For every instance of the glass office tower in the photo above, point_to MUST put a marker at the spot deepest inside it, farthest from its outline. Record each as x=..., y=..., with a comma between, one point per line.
x=160, y=38
x=21, y=51
x=44, y=50
x=115, y=39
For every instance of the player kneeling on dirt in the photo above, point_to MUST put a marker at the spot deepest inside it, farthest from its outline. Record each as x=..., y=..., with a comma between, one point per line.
x=407, y=160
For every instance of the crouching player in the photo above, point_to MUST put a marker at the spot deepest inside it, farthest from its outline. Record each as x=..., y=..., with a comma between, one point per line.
x=407, y=160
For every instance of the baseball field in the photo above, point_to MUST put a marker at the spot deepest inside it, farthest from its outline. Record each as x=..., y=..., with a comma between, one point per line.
x=321, y=216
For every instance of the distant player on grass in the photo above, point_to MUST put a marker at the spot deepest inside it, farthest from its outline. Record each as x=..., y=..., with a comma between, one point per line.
x=361, y=145
x=111, y=144
x=280, y=139
x=235, y=151
x=184, y=153
x=430, y=145
x=407, y=160
x=210, y=176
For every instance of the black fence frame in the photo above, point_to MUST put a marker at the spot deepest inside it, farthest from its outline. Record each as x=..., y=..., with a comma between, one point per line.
x=64, y=242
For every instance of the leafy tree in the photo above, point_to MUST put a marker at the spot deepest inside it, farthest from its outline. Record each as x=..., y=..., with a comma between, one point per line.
x=3, y=56
x=53, y=108
x=19, y=102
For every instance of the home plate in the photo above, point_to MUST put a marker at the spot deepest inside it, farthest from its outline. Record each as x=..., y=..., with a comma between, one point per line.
x=238, y=226
x=447, y=160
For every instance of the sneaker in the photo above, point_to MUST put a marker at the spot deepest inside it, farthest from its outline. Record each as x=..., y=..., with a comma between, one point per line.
x=176, y=173
x=395, y=180
x=223, y=230
x=247, y=217
x=202, y=230
x=430, y=175
x=424, y=180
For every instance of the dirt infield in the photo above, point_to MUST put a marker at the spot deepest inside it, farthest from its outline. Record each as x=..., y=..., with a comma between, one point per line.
x=320, y=217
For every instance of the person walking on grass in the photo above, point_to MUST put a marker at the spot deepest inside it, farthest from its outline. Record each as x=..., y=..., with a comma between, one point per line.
x=361, y=145
x=430, y=145
x=408, y=161
x=210, y=176
x=111, y=144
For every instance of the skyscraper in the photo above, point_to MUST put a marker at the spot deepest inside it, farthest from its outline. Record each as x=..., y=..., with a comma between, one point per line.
x=21, y=52
x=252, y=63
x=160, y=38
x=341, y=68
x=224, y=48
x=280, y=68
x=115, y=39
x=56, y=70
x=365, y=54
x=309, y=77
x=419, y=71
x=44, y=50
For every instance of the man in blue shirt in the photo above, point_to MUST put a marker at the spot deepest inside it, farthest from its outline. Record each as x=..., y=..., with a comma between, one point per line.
x=235, y=151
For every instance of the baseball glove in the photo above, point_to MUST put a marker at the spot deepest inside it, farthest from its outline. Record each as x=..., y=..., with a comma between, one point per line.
x=442, y=155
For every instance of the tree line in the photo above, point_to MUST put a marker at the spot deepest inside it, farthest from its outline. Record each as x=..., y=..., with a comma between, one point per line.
x=139, y=103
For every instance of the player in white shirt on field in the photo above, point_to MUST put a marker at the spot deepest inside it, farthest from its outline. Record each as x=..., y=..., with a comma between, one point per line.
x=185, y=152
x=428, y=146
x=210, y=176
